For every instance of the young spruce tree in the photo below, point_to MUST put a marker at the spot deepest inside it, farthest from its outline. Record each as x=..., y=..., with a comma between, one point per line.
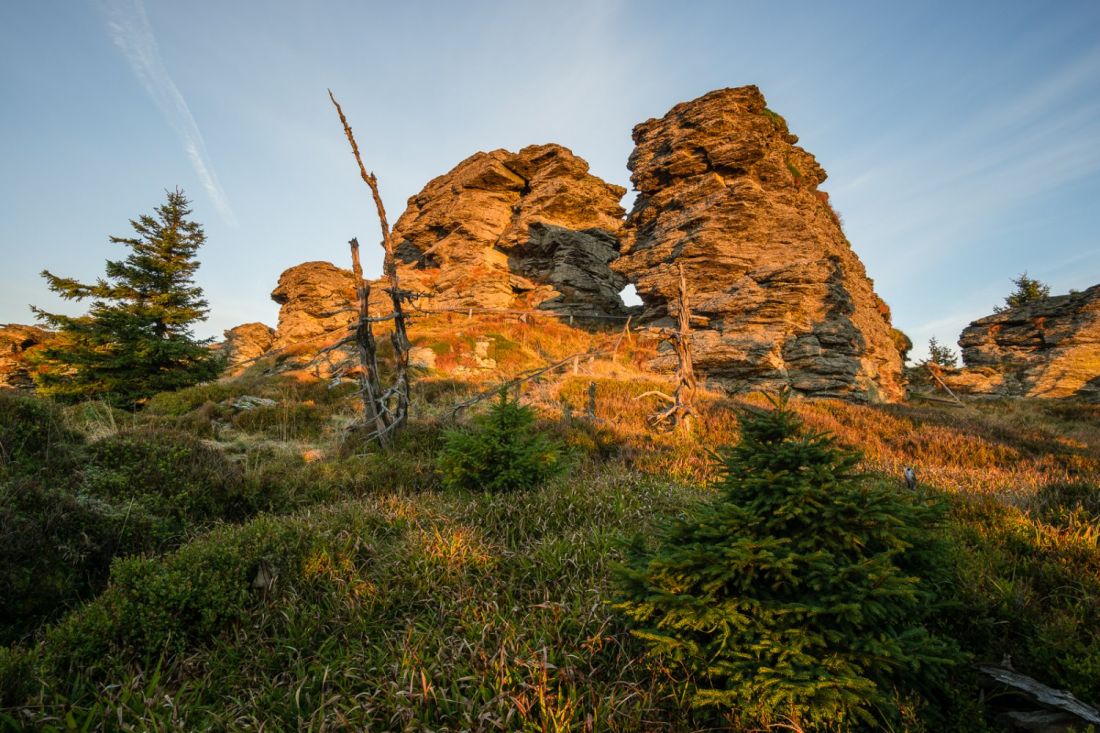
x=1028, y=290
x=794, y=598
x=136, y=338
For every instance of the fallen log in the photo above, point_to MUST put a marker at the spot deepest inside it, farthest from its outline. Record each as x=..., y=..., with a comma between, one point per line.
x=1065, y=709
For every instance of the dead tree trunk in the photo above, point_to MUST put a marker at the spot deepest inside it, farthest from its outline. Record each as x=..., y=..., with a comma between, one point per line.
x=682, y=411
x=686, y=386
x=374, y=409
x=392, y=405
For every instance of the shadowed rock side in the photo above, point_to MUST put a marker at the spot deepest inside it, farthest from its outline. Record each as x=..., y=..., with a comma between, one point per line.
x=532, y=229
x=723, y=189
x=1046, y=349
x=16, y=342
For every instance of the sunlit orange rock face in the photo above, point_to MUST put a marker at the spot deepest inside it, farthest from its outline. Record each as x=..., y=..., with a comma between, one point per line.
x=317, y=298
x=1046, y=349
x=246, y=343
x=532, y=229
x=16, y=343
x=724, y=191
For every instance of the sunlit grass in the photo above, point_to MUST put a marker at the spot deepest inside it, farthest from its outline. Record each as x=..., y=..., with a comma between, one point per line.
x=397, y=606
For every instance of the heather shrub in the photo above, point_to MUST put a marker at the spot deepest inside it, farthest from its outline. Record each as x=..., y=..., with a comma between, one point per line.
x=794, y=598
x=155, y=605
x=503, y=451
x=286, y=421
x=56, y=548
x=168, y=473
x=34, y=436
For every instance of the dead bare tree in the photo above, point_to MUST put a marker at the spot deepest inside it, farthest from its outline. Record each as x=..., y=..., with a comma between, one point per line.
x=387, y=410
x=681, y=411
x=374, y=410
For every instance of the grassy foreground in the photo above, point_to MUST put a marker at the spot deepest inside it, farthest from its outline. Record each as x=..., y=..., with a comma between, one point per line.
x=335, y=588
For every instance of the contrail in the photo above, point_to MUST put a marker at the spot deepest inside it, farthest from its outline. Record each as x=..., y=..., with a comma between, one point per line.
x=130, y=31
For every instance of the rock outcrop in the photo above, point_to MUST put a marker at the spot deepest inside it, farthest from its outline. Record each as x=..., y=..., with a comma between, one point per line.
x=724, y=190
x=532, y=229
x=16, y=342
x=317, y=298
x=246, y=343
x=1045, y=349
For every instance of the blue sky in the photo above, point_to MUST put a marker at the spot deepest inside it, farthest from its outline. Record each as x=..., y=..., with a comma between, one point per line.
x=962, y=140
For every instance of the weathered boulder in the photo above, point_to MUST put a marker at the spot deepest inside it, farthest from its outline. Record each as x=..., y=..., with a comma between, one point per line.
x=1045, y=349
x=532, y=229
x=16, y=342
x=724, y=191
x=246, y=343
x=317, y=300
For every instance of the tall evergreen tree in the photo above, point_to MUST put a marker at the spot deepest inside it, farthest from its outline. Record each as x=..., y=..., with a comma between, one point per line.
x=136, y=338
x=794, y=599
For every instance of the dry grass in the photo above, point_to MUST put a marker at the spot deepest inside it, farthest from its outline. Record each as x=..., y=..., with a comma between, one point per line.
x=402, y=607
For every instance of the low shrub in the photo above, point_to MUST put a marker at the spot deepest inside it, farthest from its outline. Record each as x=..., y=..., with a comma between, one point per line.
x=56, y=548
x=158, y=605
x=201, y=593
x=504, y=451
x=794, y=598
x=168, y=473
x=16, y=678
x=1069, y=504
x=34, y=436
x=286, y=421
x=1029, y=587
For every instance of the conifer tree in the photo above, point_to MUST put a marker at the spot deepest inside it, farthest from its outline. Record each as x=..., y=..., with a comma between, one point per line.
x=1028, y=290
x=941, y=355
x=136, y=339
x=794, y=598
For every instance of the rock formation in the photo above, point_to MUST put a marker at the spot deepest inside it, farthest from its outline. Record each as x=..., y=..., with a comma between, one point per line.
x=532, y=229
x=723, y=189
x=317, y=298
x=245, y=344
x=16, y=342
x=1045, y=349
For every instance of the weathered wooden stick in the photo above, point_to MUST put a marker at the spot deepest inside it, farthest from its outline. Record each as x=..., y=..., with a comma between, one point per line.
x=626, y=330
x=681, y=343
x=1048, y=697
x=941, y=383
x=655, y=393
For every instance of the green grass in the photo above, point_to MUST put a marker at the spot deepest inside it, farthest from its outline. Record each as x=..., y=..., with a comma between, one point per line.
x=776, y=118
x=399, y=606
x=411, y=612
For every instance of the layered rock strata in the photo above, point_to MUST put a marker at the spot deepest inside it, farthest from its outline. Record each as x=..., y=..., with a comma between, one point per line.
x=724, y=190
x=245, y=344
x=16, y=342
x=532, y=229
x=317, y=300
x=1045, y=349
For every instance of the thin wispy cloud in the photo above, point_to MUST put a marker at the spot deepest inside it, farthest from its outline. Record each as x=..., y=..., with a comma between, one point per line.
x=1021, y=148
x=130, y=31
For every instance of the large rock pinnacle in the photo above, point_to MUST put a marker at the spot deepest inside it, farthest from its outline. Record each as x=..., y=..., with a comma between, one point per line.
x=723, y=189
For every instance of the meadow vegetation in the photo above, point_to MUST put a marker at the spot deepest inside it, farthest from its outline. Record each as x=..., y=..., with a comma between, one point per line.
x=202, y=565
